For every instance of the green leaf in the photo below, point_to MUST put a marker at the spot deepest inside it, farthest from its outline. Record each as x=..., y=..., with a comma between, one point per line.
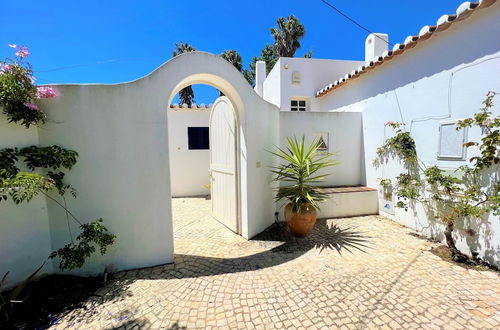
x=300, y=163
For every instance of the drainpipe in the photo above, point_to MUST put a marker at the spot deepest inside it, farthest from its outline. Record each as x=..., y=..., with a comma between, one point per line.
x=260, y=76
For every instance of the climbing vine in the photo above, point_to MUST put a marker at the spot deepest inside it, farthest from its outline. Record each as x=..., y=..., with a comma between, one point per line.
x=400, y=146
x=30, y=171
x=472, y=191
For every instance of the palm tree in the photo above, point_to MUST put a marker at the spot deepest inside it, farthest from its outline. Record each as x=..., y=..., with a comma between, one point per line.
x=234, y=58
x=286, y=42
x=287, y=35
x=268, y=55
x=186, y=95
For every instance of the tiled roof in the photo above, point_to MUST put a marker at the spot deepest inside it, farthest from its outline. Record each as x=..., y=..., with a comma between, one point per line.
x=444, y=22
x=192, y=107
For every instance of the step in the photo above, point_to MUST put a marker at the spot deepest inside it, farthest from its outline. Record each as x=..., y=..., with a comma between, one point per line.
x=349, y=201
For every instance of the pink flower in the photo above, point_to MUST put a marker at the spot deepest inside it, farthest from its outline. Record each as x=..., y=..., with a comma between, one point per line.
x=6, y=67
x=23, y=52
x=31, y=106
x=13, y=46
x=44, y=92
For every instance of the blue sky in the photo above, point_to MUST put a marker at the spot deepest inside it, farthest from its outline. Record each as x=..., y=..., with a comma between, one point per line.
x=131, y=38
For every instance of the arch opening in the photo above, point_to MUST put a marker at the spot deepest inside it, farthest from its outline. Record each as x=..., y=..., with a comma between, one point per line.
x=229, y=106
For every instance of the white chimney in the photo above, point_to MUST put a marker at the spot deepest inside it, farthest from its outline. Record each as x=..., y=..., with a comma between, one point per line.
x=375, y=45
x=260, y=76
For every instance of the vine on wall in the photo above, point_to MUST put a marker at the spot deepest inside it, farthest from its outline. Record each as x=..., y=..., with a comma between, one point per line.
x=46, y=164
x=471, y=192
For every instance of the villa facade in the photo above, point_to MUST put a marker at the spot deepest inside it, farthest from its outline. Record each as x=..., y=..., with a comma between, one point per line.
x=137, y=151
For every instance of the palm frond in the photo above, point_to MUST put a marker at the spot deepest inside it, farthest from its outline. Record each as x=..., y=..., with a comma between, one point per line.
x=301, y=163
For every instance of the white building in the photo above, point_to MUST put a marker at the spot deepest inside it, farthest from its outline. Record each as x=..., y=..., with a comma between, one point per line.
x=129, y=168
x=428, y=82
x=188, y=144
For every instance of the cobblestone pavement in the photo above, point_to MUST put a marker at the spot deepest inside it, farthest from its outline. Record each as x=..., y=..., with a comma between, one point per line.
x=351, y=273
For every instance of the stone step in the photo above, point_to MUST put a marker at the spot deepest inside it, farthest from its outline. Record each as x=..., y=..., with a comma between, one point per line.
x=349, y=201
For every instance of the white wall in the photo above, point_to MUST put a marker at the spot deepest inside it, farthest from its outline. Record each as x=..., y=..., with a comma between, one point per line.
x=344, y=139
x=445, y=77
x=344, y=135
x=24, y=229
x=123, y=174
x=314, y=74
x=189, y=169
x=121, y=134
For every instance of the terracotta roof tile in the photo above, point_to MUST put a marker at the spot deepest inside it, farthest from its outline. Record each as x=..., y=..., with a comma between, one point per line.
x=444, y=22
x=192, y=107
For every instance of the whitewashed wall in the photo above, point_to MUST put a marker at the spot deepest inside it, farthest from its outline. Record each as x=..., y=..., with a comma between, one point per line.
x=444, y=78
x=188, y=168
x=121, y=133
x=344, y=131
x=344, y=139
x=314, y=74
x=24, y=229
x=123, y=175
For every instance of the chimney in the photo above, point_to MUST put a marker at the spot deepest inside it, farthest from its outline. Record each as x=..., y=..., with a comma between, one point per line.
x=260, y=76
x=375, y=45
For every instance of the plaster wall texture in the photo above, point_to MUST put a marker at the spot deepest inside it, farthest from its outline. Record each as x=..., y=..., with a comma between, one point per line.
x=313, y=75
x=445, y=78
x=342, y=133
x=344, y=136
x=123, y=172
x=189, y=169
x=24, y=229
x=349, y=205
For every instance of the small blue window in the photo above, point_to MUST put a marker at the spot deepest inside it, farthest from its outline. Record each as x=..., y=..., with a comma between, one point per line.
x=198, y=138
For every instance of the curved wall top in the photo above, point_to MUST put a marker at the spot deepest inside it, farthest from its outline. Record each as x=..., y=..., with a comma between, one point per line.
x=122, y=175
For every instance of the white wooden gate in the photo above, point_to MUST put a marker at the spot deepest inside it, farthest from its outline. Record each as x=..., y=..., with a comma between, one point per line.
x=223, y=169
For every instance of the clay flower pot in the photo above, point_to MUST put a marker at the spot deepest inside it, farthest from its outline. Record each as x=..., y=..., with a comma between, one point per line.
x=300, y=224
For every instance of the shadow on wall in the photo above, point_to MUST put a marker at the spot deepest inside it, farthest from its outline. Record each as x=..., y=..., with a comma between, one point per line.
x=475, y=232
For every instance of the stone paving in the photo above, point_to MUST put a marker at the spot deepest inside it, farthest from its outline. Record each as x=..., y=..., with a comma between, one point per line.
x=350, y=273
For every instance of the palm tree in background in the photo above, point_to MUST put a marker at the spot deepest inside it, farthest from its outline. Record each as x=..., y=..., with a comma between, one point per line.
x=234, y=58
x=287, y=35
x=186, y=95
x=268, y=55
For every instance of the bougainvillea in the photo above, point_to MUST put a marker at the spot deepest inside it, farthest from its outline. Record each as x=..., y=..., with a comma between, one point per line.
x=42, y=169
x=45, y=92
x=18, y=92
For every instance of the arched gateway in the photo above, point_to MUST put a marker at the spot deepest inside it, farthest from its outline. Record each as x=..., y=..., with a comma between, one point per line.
x=120, y=131
x=224, y=169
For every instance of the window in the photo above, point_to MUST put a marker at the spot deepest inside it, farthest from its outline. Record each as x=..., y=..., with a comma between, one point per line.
x=298, y=105
x=198, y=138
x=451, y=141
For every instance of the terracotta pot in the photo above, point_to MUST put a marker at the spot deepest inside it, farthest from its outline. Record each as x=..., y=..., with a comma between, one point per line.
x=300, y=223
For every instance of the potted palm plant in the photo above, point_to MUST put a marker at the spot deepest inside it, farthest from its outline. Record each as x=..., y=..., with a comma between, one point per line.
x=299, y=174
